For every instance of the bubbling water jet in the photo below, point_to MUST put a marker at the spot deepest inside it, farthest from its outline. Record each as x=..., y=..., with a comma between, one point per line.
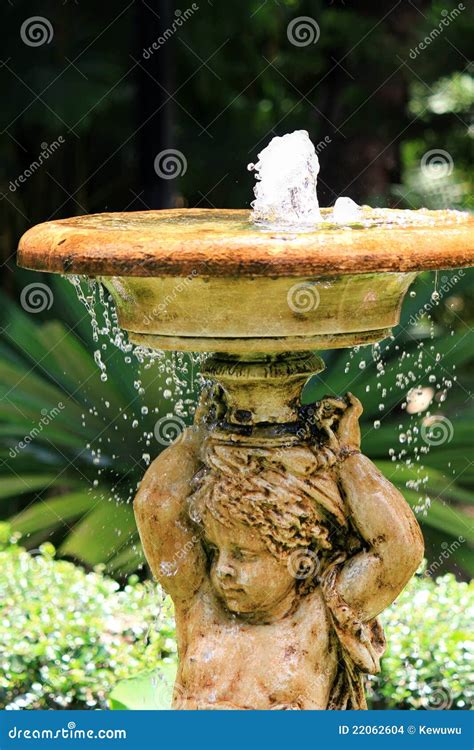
x=287, y=172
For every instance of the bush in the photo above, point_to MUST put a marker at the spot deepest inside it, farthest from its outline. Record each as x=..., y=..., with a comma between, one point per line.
x=67, y=637
x=428, y=663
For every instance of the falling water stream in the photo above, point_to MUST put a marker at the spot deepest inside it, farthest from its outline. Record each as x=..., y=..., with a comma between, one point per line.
x=169, y=380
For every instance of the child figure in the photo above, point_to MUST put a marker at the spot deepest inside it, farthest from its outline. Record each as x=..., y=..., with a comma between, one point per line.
x=278, y=558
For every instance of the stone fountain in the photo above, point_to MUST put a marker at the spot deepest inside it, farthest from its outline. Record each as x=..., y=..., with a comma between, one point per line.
x=278, y=540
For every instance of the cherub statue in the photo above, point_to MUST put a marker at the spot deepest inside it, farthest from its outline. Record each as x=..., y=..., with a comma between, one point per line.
x=278, y=556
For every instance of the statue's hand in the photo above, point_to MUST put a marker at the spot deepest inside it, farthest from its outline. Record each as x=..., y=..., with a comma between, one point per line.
x=348, y=429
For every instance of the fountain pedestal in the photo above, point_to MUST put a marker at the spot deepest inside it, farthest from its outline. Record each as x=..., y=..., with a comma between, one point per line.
x=277, y=539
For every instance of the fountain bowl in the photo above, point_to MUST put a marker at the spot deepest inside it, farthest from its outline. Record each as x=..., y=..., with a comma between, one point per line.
x=210, y=280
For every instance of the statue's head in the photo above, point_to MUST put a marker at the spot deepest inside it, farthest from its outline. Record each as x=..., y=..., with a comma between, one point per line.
x=245, y=575
x=266, y=536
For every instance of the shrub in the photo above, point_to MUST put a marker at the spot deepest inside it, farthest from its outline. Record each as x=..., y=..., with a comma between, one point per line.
x=68, y=637
x=428, y=663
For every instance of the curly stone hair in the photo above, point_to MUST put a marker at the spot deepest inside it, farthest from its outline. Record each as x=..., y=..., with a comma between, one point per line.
x=288, y=494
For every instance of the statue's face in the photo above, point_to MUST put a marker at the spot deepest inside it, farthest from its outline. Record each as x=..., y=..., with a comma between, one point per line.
x=244, y=574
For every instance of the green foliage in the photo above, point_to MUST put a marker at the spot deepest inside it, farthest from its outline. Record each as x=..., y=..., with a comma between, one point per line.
x=71, y=639
x=67, y=636
x=428, y=663
x=71, y=478
x=149, y=691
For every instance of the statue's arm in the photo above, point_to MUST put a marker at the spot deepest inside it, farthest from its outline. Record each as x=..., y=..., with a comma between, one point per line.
x=394, y=548
x=169, y=538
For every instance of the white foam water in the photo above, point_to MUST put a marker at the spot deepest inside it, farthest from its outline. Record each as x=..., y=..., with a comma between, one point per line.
x=346, y=210
x=286, y=193
x=286, y=173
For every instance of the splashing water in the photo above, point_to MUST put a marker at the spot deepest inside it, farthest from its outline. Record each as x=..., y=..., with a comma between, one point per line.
x=171, y=379
x=345, y=211
x=286, y=187
x=416, y=383
x=285, y=195
x=285, y=191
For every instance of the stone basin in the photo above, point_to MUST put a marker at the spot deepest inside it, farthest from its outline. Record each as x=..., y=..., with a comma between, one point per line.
x=210, y=280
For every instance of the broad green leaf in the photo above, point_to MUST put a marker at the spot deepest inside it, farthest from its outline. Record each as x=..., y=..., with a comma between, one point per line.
x=11, y=486
x=150, y=691
x=100, y=534
x=52, y=513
